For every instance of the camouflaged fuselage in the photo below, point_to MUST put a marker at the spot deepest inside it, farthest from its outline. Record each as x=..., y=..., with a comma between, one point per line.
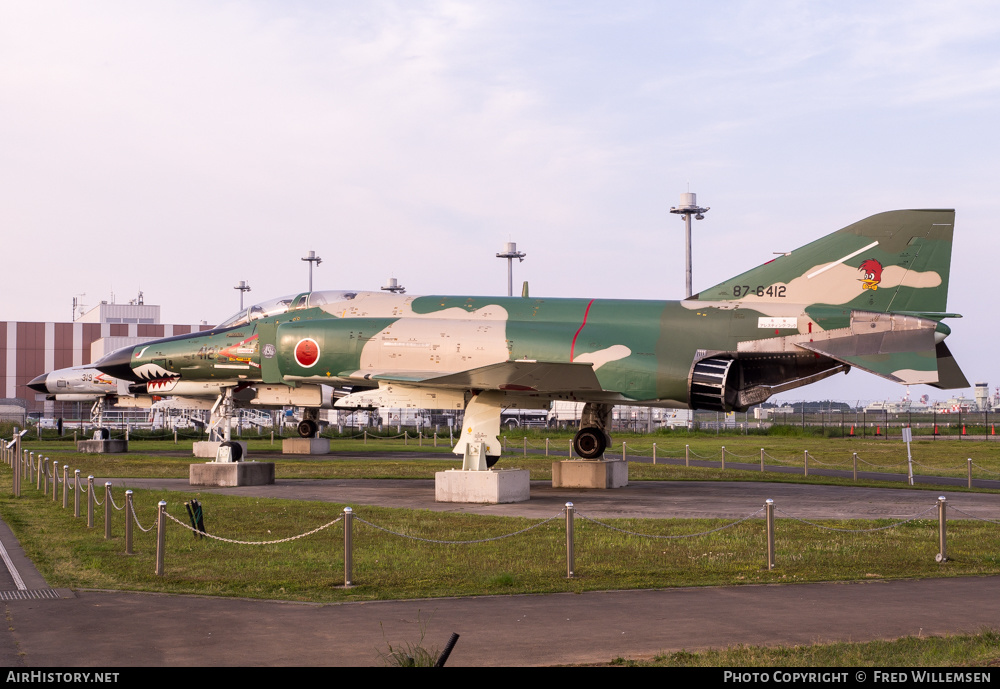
x=871, y=295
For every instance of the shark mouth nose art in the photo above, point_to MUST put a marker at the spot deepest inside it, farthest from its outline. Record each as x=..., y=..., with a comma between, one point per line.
x=155, y=376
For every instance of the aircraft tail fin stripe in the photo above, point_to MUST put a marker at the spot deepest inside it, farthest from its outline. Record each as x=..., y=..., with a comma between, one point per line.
x=827, y=267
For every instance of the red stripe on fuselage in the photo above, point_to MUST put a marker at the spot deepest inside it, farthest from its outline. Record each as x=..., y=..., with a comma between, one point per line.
x=572, y=347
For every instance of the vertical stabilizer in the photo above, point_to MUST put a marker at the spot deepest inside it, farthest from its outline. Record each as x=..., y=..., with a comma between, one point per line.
x=894, y=261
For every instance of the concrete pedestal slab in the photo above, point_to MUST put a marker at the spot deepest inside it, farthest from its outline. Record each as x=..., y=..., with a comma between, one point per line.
x=587, y=473
x=305, y=446
x=490, y=487
x=228, y=474
x=102, y=446
x=209, y=449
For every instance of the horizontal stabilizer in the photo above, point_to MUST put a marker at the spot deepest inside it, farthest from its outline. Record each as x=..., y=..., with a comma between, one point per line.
x=950, y=376
x=899, y=348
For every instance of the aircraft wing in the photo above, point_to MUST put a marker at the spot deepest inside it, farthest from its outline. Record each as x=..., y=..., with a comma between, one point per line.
x=523, y=375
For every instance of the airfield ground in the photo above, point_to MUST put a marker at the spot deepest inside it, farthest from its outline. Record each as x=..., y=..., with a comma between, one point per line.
x=123, y=629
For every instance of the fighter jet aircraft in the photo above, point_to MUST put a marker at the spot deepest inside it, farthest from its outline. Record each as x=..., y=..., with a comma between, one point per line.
x=871, y=295
x=85, y=384
x=75, y=384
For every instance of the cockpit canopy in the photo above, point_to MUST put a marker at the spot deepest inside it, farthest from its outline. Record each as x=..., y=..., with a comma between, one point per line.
x=281, y=305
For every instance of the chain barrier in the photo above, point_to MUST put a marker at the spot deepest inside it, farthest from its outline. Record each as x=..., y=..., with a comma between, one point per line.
x=700, y=456
x=660, y=452
x=883, y=466
x=877, y=528
x=954, y=468
x=733, y=454
x=96, y=501
x=136, y=518
x=561, y=513
x=111, y=497
x=692, y=535
x=972, y=516
x=229, y=540
x=988, y=471
x=826, y=464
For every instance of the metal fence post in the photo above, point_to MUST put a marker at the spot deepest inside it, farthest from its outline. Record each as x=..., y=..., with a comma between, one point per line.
x=570, y=570
x=38, y=470
x=90, y=502
x=55, y=480
x=76, y=493
x=723, y=457
x=15, y=464
x=65, y=486
x=855, y=466
x=128, y=522
x=107, y=511
x=805, y=462
x=348, y=547
x=762, y=459
x=654, y=453
x=525, y=446
x=687, y=455
x=970, y=472
x=161, y=535
x=769, y=511
x=623, y=451
x=546, y=447
x=942, y=555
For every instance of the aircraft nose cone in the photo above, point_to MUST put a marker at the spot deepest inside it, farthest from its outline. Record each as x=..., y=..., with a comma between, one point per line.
x=38, y=383
x=118, y=364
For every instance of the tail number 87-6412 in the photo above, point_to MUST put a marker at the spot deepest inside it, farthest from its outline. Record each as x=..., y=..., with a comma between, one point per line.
x=759, y=291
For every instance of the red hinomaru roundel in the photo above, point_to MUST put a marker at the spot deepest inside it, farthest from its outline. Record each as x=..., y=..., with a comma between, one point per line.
x=307, y=352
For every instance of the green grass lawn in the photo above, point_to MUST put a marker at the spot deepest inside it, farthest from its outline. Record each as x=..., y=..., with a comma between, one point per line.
x=391, y=459
x=965, y=650
x=390, y=566
x=393, y=566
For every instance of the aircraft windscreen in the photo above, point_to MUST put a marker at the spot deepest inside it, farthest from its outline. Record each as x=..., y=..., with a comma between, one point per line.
x=262, y=310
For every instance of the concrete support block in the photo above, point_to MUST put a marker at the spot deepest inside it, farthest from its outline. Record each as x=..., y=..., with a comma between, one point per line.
x=490, y=487
x=587, y=473
x=229, y=474
x=102, y=446
x=209, y=449
x=305, y=446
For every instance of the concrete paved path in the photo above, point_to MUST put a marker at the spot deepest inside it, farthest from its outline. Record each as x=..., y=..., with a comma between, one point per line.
x=114, y=629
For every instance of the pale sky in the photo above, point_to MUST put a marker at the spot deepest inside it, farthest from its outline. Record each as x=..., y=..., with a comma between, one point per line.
x=180, y=147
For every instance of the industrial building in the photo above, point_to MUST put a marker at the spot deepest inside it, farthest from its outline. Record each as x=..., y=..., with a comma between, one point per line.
x=30, y=349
